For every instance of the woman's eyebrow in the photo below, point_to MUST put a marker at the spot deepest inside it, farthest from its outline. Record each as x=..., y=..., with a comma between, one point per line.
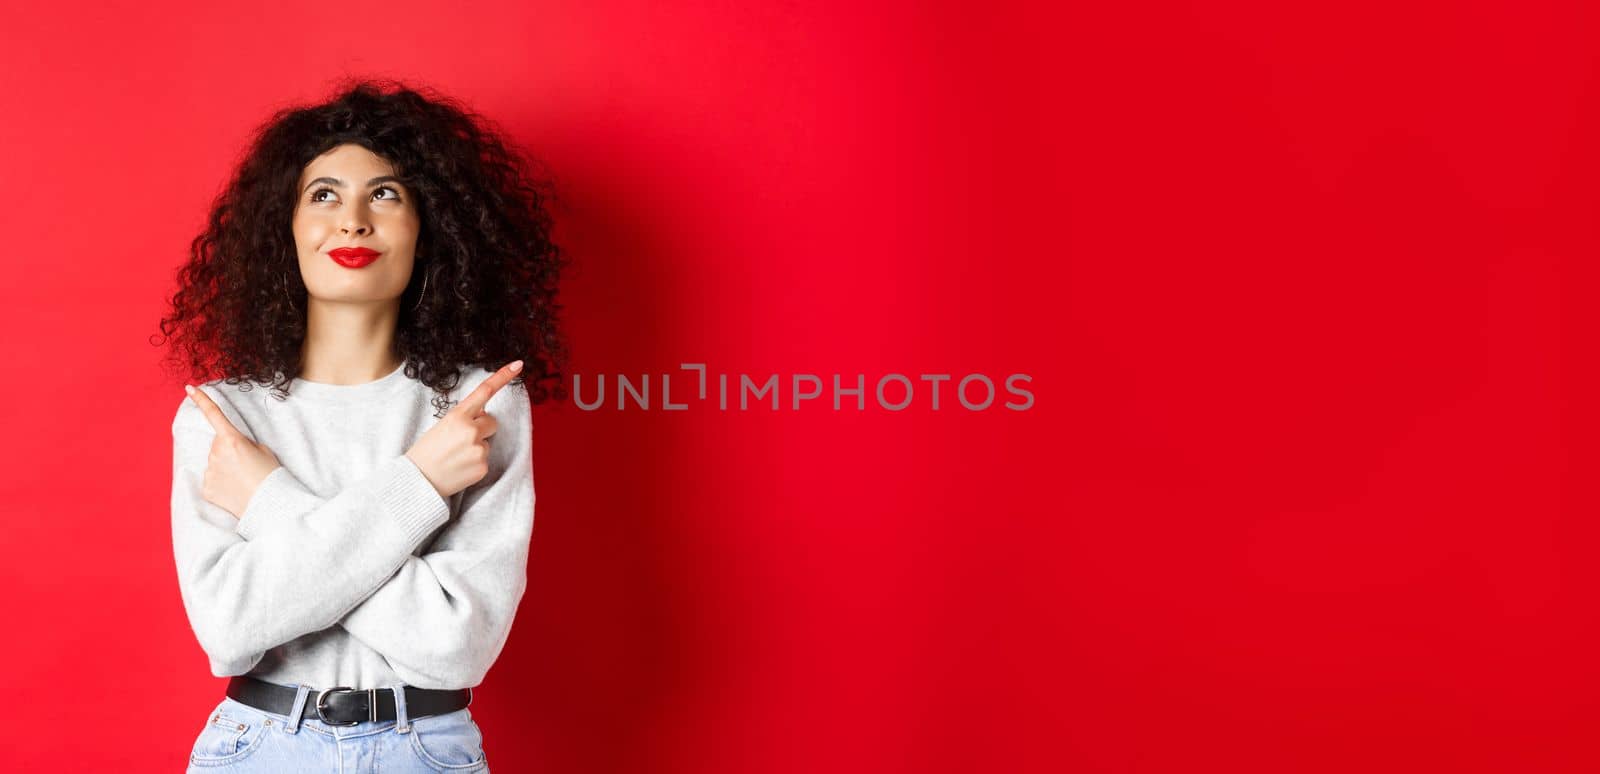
x=337, y=183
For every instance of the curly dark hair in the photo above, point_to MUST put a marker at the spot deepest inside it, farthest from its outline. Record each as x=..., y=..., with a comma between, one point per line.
x=484, y=249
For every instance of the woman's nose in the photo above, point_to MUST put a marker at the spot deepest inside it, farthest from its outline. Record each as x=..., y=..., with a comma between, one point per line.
x=355, y=221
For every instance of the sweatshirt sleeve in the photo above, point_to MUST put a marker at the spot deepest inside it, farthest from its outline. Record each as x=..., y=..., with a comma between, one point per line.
x=244, y=597
x=444, y=617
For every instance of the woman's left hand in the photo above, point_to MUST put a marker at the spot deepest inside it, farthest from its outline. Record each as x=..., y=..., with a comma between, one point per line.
x=237, y=465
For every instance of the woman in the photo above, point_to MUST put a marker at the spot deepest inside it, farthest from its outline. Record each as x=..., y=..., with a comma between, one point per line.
x=351, y=557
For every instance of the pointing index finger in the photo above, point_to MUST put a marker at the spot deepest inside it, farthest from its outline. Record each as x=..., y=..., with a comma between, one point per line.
x=475, y=401
x=209, y=409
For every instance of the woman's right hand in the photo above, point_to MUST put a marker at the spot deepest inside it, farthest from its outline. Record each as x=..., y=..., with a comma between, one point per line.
x=454, y=453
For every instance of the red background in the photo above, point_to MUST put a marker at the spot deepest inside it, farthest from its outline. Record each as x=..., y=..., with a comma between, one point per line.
x=1293, y=288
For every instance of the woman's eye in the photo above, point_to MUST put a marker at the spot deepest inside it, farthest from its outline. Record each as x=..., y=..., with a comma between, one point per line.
x=390, y=190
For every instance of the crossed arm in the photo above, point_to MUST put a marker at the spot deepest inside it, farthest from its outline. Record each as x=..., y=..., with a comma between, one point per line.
x=440, y=618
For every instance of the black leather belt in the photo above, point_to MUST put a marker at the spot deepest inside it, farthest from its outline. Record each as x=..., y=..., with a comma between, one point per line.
x=345, y=706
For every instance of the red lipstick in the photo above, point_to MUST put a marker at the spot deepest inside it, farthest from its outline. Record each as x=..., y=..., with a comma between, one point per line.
x=353, y=257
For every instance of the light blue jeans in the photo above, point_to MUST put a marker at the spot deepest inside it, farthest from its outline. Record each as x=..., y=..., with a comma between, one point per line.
x=240, y=738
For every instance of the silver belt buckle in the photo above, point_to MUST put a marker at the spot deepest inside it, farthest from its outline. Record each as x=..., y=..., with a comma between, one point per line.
x=372, y=704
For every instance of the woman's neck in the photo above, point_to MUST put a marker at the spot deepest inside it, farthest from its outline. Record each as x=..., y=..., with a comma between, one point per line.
x=349, y=343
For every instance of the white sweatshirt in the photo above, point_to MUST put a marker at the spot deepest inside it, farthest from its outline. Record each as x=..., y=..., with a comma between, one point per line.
x=347, y=568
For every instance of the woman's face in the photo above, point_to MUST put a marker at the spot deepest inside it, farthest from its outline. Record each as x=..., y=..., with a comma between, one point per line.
x=346, y=201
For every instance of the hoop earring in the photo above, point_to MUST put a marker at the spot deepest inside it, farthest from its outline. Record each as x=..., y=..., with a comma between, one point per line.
x=421, y=294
